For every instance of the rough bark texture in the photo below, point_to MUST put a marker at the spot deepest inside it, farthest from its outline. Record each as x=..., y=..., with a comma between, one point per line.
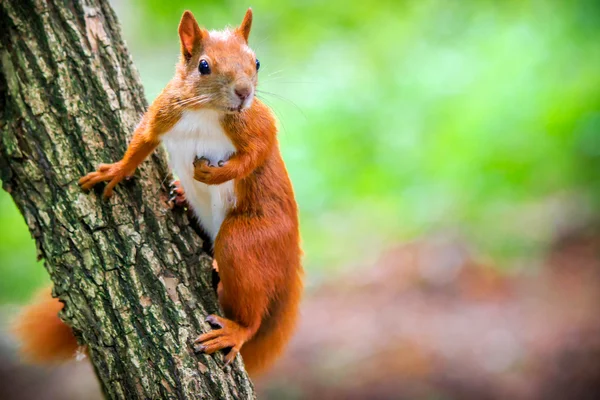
x=132, y=273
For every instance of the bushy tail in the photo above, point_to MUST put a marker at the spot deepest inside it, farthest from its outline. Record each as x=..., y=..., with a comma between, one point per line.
x=262, y=350
x=43, y=336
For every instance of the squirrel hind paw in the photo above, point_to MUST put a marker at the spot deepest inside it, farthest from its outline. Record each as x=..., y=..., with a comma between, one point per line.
x=228, y=335
x=177, y=195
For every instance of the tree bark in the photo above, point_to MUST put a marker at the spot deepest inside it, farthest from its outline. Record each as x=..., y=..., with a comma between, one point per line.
x=131, y=272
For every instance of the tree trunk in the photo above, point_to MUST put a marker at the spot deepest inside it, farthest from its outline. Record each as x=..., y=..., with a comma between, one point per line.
x=132, y=273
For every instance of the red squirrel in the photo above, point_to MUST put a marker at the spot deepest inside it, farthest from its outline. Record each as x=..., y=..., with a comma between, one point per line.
x=222, y=144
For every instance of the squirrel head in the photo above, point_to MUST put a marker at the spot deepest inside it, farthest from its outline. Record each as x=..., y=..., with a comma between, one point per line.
x=217, y=68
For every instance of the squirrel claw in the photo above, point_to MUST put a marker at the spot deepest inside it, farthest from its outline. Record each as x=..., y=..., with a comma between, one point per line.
x=177, y=195
x=213, y=321
x=199, y=348
x=230, y=357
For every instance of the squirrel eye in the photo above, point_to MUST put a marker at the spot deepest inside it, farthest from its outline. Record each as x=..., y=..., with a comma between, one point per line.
x=257, y=64
x=204, y=68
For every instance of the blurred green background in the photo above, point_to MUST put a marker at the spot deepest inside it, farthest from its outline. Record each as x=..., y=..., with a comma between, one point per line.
x=401, y=119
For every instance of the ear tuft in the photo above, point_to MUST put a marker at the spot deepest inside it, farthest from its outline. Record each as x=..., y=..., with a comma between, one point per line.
x=244, y=28
x=189, y=34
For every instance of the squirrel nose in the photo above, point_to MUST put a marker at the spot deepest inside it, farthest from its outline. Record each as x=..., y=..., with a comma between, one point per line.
x=243, y=92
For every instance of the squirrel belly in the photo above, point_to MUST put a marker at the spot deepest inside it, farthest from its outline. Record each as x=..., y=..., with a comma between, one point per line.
x=199, y=134
x=258, y=258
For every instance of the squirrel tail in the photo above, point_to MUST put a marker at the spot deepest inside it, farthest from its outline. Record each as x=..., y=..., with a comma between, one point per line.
x=46, y=339
x=263, y=349
x=43, y=336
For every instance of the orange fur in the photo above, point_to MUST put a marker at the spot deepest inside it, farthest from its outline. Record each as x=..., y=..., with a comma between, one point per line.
x=257, y=247
x=44, y=337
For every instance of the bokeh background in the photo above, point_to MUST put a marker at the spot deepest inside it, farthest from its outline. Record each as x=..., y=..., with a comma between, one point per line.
x=446, y=159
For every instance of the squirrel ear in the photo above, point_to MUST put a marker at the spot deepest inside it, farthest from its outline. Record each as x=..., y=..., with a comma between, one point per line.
x=244, y=28
x=189, y=34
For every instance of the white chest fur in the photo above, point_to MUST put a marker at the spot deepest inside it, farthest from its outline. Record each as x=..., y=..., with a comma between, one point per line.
x=199, y=133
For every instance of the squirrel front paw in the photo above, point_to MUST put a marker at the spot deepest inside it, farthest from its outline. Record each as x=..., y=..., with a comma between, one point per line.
x=207, y=173
x=111, y=173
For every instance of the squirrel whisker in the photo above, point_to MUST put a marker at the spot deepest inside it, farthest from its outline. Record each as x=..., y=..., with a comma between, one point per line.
x=191, y=100
x=277, y=96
